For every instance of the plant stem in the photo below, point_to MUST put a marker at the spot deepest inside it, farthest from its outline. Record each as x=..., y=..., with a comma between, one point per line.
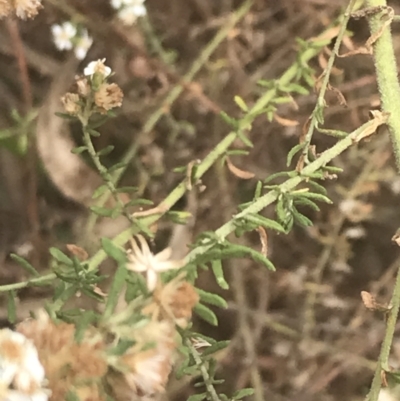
x=373, y=394
x=230, y=226
x=320, y=104
x=204, y=372
x=173, y=95
x=386, y=72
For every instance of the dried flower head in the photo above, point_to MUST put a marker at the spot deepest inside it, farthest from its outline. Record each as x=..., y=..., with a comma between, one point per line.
x=21, y=373
x=68, y=365
x=70, y=102
x=143, y=370
x=108, y=96
x=174, y=300
x=5, y=8
x=27, y=8
x=141, y=259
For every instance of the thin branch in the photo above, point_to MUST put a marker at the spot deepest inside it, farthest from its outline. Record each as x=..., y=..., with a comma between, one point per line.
x=320, y=104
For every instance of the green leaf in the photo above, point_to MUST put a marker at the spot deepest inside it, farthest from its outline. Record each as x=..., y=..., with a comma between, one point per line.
x=79, y=149
x=11, y=308
x=102, y=211
x=229, y=120
x=241, y=103
x=297, y=89
x=106, y=151
x=317, y=187
x=179, y=217
x=333, y=169
x=85, y=319
x=244, y=139
x=245, y=392
x=101, y=190
x=60, y=256
x=117, y=166
x=288, y=174
x=65, y=116
x=130, y=189
x=197, y=397
x=312, y=195
x=258, y=191
x=206, y=314
x=213, y=299
x=300, y=219
x=215, y=347
x=115, y=291
x=264, y=222
x=307, y=202
x=237, y=152
x=216, y=266
x=93, y=132
x=114, y=251
x=25, y=265
x=140, y=201
x=293, y=152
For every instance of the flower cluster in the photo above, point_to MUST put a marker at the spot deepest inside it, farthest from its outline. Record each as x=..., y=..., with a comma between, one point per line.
x=129, y=10
x=128, y=356
x=94, y=94
x=21, y=374
x=21, y=8
x=67, y=36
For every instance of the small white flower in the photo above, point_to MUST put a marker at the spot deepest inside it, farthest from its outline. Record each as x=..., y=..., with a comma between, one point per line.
x=128, y=15
x=142, y=260
x=20, y=368
x=355, y=232
x=63, y=35
x=83, y=45
x=97, y=67
x=117, y=4
x=13, y=395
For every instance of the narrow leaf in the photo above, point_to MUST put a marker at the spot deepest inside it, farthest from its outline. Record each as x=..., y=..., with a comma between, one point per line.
x=11, y=308
x=60, y=256
x=115, y=291
x=216, y=266
x=212, y=299
x=206, y=314
x=113, y=251
x=25, y=265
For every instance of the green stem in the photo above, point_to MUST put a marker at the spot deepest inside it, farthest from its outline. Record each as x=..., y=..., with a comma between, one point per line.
x=173, y=95
x=383, y=362
x=204, y=371
x=287, y=186
x=320, y=104
x=386, y=72
x=230, y=226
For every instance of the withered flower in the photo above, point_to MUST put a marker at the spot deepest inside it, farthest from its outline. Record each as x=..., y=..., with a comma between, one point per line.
x=108, y=96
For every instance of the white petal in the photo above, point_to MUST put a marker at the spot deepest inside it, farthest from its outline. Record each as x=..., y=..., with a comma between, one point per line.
x=164, y=255
x=151, y=280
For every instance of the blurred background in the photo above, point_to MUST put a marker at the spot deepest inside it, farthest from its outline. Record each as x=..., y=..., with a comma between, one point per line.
x=301, y=333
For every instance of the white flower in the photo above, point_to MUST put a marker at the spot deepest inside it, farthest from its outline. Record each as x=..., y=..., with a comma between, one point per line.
x=20, y=368
x=97, y=67
x=128, y=15
x=63, y=35
x=117, y=4
x=142, y=260
x=83, y=45
x=13, y=395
